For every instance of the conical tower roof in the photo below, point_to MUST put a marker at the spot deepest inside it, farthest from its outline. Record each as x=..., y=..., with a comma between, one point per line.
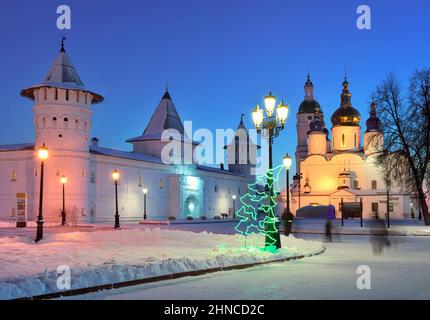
x=62, y=75
x=165, y=117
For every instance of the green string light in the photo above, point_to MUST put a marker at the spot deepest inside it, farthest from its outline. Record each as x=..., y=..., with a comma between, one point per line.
x=258, y=200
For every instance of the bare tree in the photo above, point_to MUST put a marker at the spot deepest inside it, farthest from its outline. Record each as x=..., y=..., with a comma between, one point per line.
x=405, y=117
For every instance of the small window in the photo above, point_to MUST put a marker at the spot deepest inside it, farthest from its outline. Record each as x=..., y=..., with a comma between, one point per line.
x=229, y=191
x=343, y=141
x=54, y=122
x=86, y=98
x=77, y=124
x=67, y=95
x=56, y=94
x=355, y=140
x=375, y=207
x=356, y=185
x=93, y=177
x=140, y=182
x=66, y=123
x=45, y=93
x=13, y=175
x=215, y=188
x=374, y=185
x=161, y=184
x=77, y=96
x=85, y=126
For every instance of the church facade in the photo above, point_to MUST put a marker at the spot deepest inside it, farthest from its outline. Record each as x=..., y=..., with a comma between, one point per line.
x=342, y=169
x=63, y=114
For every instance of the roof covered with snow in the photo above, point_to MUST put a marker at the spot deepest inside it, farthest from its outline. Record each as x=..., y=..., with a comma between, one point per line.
x=165, y=117
x=17, y=147
x=63, y=75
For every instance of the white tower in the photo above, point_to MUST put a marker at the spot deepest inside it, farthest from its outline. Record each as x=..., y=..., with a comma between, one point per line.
x=317, y=143
x=241, y=152
x=373, y=137
x=304, y=116
x=62, y=121
x=346, y=123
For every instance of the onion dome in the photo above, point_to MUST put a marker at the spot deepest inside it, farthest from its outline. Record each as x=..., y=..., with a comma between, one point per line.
x=373, y=124
x=309, y=105
x=346, y=114
x=62, y=75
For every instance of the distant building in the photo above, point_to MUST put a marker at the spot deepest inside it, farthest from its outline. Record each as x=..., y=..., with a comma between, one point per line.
x=62, y=120
x=341, y=169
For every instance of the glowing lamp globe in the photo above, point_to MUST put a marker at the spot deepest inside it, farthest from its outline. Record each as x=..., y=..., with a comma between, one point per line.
x=257, y=117
x=115, y=175
x=43, y=153
x=287, y=162
x=63, y=180
x=145, y=190
x=270, y=103
x=282, y=113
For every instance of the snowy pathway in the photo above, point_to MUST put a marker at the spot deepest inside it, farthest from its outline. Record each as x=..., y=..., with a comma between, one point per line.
x=401, y=273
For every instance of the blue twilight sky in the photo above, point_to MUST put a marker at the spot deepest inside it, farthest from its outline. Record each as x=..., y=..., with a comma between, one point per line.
x=220, y=57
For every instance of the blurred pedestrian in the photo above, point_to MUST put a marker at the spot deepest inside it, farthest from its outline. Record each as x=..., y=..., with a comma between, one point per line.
x=288, y=221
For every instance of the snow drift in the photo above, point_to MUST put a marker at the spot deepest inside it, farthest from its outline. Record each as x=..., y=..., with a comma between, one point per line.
x=105, y=257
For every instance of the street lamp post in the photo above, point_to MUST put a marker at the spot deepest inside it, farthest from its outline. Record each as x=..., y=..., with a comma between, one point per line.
x=63, y=181
x=270, y=127
x=43, y=155
x=234, y=206
x=145, y=191
x=287, y=165
x=115, y=177
x=388, y=203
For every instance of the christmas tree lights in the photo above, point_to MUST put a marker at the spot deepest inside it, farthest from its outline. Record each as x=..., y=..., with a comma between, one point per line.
x=258, y=200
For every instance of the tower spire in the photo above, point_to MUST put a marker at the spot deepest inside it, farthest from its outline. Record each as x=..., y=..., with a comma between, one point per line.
x=62, y=44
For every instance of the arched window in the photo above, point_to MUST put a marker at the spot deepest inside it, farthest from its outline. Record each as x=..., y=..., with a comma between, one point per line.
x=86, y=98
x=66, y=123
x=343, y=141
x=355, y=140
x=77, y=124
x=77, y=96
x=67, y=95
x=56, y=94
x=54, y=122
x=374, y=185
x=45, y=93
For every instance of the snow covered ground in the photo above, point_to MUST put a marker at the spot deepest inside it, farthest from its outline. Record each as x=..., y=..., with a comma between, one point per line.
x=402, y=272
x=103, y=257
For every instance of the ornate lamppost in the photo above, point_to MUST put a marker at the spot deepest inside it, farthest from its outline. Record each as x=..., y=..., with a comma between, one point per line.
x=63, y=181
x=287, y=164
x=270, y=126
x=115, y=177
x=43, y=155
x=233, y=197
x=145, y=191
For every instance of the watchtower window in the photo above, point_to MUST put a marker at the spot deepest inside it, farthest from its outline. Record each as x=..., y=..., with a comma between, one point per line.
x=45, y=93
x=67, y=95
x=66, y=123
x=56, y=94
x=343, y=141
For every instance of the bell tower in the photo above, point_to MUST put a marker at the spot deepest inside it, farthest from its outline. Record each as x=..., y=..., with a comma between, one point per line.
x=304, y=116
x=62, y=122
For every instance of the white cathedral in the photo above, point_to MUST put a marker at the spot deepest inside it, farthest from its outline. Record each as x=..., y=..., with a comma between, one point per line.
x=341, y=169
x=63, y=109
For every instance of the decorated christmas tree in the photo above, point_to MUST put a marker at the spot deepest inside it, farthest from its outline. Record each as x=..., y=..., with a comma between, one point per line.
x=257, y=211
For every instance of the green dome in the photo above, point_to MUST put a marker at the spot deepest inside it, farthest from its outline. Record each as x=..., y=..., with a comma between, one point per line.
x=309, y=106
